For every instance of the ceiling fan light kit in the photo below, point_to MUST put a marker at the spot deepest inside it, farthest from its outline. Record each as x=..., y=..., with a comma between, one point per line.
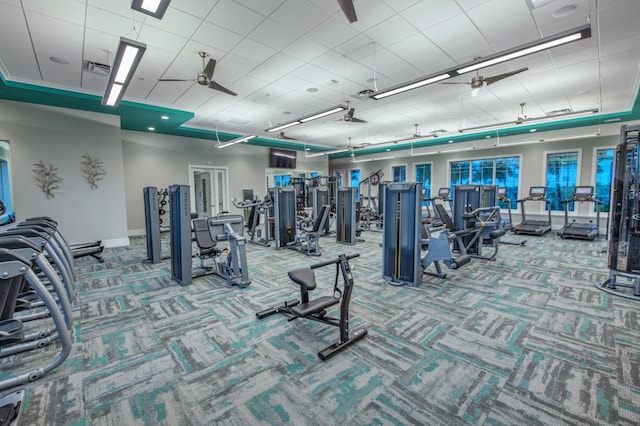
x=545, y=43
x=155, y=8
x=126, y=61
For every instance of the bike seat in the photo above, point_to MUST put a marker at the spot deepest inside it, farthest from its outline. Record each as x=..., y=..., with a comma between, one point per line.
x=305, y=277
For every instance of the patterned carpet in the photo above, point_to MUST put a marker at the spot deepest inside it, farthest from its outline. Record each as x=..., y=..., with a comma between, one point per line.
x=524, y=340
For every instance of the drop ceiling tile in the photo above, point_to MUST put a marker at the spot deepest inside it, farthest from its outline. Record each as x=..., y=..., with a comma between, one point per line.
x=19, y=65
x=291, y=82
x=15, y=3
x=235, y=17
x=421, y=53
x=197, y=8
x=400, y=5
x=60, y=74
x=332, y=33
x=253, y=50
x=392, y=30
x=454, y=28
x=118, y=7
x=176, y=22
x=216, y=36
x=305, y=49
x=68, y=11
x=195, y=95
x=167, y=93
x=397, y=70
x=470, y=4
x=239, y=65
x=97, y=45
x=357, y=47
x=264, y=7
x=517, y=30
x=110, y=23
x=429, y=13
x=373, y=14
x=55, y=35
x=275, y=34
x=13, y=24
x=289, y=15
x=193, y=48
x=158, y=39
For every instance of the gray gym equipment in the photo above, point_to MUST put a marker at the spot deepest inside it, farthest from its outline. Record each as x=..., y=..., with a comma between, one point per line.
x=307, y=241
x=624, y=213
x=15, y=267
x=321, y=197
x=284, y=215
x=257, y=209
x=534, y=227
x=583, y=231
x=508, y=226
x=180, y=233
x=432, y=216
x=208, y=232
x=369, y=207
x=152, y=224
x=346, y=223
x=401, y=236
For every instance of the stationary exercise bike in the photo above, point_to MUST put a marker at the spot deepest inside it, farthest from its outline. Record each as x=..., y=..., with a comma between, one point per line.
x=316, y=309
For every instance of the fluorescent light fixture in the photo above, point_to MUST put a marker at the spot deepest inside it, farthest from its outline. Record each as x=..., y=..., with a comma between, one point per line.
x=126, y=61
x=366, y=160
x=563, y=138
x=307, y=118
x=530, y=48
x=420, y=154
x=410, y=86
x=155, y=8
x=236, y=140
x=570, y=36
x=555, y=117
x=318, y=154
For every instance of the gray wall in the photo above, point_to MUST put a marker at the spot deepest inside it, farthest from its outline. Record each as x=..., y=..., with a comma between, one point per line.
x=532, y=171
x=160, y=161
x=61, y=137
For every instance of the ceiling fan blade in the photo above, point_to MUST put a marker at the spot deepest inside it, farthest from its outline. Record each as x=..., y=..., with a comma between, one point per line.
x=209, y=68
x=349, y=10
x=175, y=79
x=349, y=115
x=219, y=87
x=357, y=120
x=281, y=135
x=496, y=78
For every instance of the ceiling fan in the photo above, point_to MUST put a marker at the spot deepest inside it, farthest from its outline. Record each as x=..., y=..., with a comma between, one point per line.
x=205, y=77
x=478, y=81
x=349, y=10
x=281, y=135
x=349, y=116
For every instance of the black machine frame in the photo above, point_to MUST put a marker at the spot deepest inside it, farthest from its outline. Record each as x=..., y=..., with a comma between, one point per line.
x=534, y=227
x=584, y=231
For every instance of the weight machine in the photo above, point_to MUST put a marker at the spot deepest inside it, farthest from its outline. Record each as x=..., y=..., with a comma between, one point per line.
x=346, y=223
x=624, y=229
x=257, y=209
x=284, y=215
x=321, y=197
x=370, y=211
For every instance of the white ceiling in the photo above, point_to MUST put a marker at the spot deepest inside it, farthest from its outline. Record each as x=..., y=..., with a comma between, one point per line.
x=271, y=52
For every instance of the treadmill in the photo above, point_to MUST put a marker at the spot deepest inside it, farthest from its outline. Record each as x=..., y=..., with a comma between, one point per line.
x=584, y=231
x=502, y=196
x=534, y=227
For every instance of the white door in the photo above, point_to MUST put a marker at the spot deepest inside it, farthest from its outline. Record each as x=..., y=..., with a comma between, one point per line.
x=209, y=190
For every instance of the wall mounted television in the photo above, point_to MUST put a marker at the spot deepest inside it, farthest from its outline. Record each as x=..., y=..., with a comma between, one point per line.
x=282, y=158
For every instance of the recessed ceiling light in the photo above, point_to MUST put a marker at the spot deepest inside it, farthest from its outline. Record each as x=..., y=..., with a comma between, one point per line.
x=58, y=60
x=532, y=130
x=388, y=149
x=449, y=141
x=486, y=137
x=164, y=117
x=565, y=11
x=312, y=89
x=151, y=128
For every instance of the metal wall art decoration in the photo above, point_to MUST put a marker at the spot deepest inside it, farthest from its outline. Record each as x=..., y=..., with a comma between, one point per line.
x=46, y=175
x=92, y=169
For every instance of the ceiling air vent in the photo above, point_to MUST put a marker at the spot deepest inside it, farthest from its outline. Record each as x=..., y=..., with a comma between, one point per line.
x=96, y=68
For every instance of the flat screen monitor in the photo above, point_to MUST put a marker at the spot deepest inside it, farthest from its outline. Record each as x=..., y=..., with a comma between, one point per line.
x=537, y=191
x=247, y=195
x=583, y=190
x=443, y=192
x=502, y=191
x=282, y=158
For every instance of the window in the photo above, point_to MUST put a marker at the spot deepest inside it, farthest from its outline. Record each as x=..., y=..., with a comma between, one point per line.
x=5, y=184
x=339, y=174
x=423, y=176
x=507, y=176
x=355, y=181
x=502, y=171
x=282, y=180
x=399, y=173
x=562, y=177
x=604, y=172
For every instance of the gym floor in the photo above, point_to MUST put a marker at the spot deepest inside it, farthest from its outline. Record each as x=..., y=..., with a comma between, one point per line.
x=526, y=339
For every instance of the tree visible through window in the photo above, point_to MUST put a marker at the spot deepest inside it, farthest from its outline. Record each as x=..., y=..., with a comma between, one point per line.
x=604, y=172
x=399, y=173
x=562, y=177
x=502, y=171
x=423, y=176
x=355, y=181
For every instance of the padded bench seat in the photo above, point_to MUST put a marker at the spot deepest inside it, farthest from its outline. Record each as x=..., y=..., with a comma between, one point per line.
x=314, y=306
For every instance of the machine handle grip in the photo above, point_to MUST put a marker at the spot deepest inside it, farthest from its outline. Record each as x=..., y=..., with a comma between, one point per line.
x=340, y=258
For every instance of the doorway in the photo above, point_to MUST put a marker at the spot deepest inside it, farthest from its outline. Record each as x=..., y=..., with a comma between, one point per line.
x=209, y=190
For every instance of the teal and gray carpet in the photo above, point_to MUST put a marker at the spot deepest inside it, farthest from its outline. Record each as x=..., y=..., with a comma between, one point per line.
x=524, y=340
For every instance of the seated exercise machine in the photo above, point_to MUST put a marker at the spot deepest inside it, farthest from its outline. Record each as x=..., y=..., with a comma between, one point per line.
x=443, y=196
x=624, y=219
x=585, y=231
x=321, y=196
x=257, y=209
x=208, y=232
x=508, y=226
x=534, y=227
x=370, y=214
x=233, y=267
x=316, y=309
x=346, y=216
x=153, y=211
x=308, y=241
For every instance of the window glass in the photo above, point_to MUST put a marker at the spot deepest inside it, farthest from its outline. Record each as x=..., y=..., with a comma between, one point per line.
x=604, y=172
x=339, y=174
x=507, y=175
x=423, y=176
x=482, y=172
x=562, y=176
x=355, y=181
x=399, y=173
x=459, y=174
x=5, y=185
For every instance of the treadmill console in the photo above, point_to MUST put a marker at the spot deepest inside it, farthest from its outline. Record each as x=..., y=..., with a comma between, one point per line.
x=502, y=192
x=583, y=193
x=443, y=193
x=537, y=192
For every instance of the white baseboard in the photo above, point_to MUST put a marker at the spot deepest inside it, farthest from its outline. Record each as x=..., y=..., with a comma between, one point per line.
x=137, y=232
x=116, y=242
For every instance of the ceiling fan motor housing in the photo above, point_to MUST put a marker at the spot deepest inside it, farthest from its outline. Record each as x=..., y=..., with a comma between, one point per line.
x=477, y=82
x=202, y=79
